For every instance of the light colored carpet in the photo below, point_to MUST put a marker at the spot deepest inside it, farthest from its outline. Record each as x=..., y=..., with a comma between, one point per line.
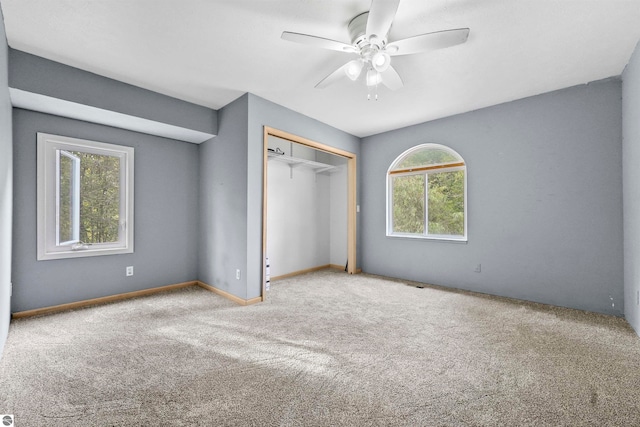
x=326, y=349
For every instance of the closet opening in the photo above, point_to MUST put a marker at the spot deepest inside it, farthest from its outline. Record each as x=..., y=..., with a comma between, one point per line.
x=309, y=206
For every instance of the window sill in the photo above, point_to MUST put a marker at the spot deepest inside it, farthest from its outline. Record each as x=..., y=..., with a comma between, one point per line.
x=446, y=239
x=83, y=253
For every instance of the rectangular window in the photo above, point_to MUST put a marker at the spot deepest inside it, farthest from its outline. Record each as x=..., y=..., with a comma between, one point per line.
x=408, y=204
x=446, y=203
x=85, y=198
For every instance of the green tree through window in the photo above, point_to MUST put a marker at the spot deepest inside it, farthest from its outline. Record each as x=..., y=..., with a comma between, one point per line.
x=446, y=203
x=99, y=197
x=408, y=204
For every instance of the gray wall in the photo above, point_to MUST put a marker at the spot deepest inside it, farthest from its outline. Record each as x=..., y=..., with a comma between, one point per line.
x=265, y=113
x=6, y=189
x=166, y=200
x=39, y=75
x=223, y=202
x=544, y=200
x=631, y=186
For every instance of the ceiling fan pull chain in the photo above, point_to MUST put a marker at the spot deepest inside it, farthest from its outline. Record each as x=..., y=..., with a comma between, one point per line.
x=372, y=89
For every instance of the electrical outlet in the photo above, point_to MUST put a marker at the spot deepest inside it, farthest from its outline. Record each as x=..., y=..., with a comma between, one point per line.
x=129, y=270
x=238, y=274
x=478, y=268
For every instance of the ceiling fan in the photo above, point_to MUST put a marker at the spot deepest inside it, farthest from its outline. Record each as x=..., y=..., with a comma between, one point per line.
x=369, y=32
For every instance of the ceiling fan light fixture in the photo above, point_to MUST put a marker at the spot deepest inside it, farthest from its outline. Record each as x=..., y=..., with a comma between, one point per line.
x=381, y=61
x=373, y=77
x=353, y=69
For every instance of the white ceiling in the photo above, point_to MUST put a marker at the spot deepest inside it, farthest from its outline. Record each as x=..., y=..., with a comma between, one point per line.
x=211, y=51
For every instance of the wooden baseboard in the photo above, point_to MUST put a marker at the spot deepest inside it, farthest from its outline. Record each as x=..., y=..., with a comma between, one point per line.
x=341, y=268
x=143, y=292
x=228, y=295
x=299, y=272
x=311, y=270
x=98, y=301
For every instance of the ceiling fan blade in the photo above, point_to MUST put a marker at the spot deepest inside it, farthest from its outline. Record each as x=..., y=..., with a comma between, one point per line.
x=333, y=77
x=317, y=42
x=381, y=16
x=391, y=79
x=427, y=42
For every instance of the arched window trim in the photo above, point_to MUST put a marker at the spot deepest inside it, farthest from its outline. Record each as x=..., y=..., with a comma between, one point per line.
x=424, y=170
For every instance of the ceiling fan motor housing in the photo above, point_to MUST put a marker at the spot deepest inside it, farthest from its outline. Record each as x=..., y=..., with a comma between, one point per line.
x=358, y=29
x=370, y=47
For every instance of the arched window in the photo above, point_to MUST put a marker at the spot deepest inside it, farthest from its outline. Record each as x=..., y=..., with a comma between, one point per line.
x=426, y=194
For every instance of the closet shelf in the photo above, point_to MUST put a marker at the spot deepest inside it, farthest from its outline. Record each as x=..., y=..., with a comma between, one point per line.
x=294, y=162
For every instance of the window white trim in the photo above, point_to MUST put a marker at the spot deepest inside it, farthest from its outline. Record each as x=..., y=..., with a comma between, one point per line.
x=50, y=149
x=389, y=194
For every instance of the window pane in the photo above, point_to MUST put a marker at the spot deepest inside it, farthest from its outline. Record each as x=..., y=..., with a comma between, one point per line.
x=99, y=197
x=408, y=204
x=65, y=201
x=446, y=203
x=427, y=157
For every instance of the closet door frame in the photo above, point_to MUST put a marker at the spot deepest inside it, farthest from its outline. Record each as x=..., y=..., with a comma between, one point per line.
x=351, y=193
